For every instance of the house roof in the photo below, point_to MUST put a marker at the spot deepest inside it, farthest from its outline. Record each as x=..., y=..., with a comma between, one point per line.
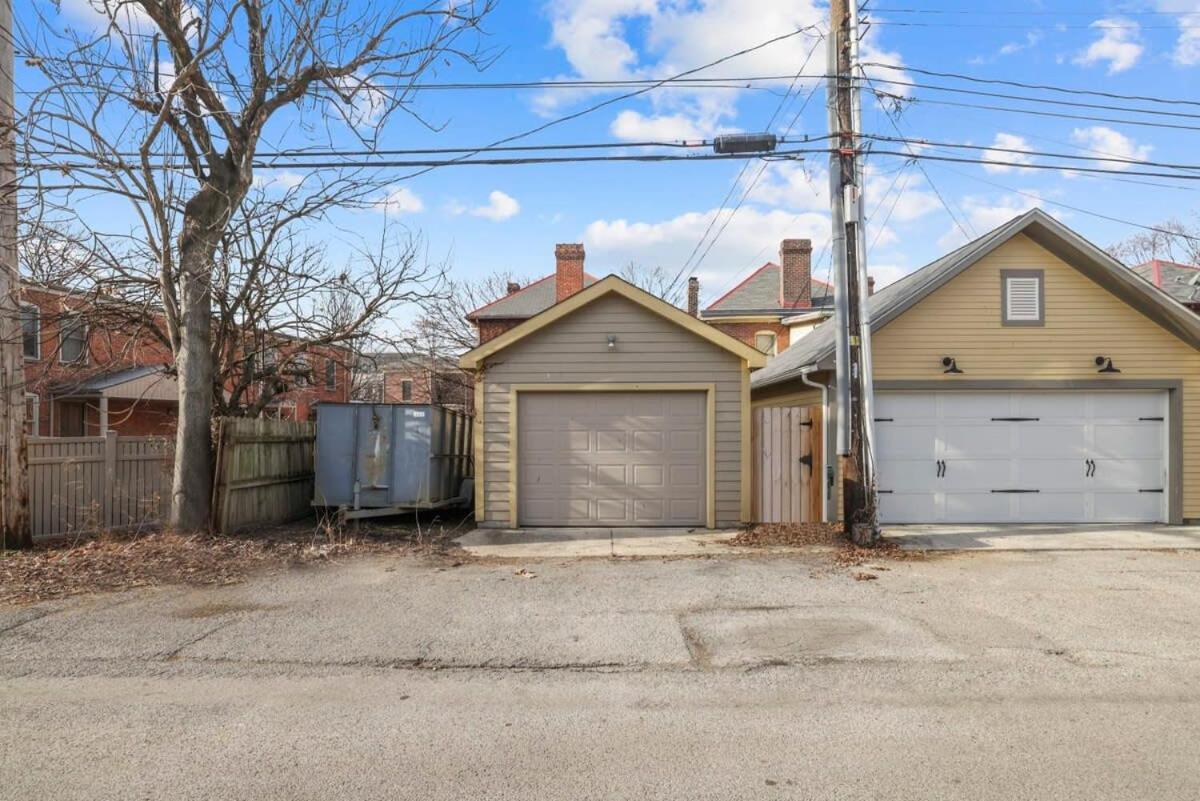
x=525, y=302
x=816, y=350
x=612, y=285
x=1180, y=281
x=759, y=292
x=148, y=382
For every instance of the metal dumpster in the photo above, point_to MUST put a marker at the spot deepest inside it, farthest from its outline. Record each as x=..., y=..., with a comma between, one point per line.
x=376, y=459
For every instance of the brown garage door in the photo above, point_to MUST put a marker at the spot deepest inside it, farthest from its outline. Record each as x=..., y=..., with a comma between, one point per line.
x=611, y=458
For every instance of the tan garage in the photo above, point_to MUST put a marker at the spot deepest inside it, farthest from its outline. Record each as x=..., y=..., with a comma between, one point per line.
x=612, y=408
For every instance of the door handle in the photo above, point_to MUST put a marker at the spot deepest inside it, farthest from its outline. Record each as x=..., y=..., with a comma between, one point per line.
x=941, y=468
x=1091, y=468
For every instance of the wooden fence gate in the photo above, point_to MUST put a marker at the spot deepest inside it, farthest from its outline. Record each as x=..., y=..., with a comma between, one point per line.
x=787, y=464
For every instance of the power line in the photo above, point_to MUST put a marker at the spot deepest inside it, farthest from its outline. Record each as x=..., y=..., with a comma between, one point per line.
x=1053, y=167
x=1023, y=85
x=1023, y=13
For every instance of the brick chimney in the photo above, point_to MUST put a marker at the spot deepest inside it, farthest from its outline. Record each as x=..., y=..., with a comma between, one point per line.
x=693, y=307
x=795, y=273
x=513, y=287
x=568, y=271
x=870, y=285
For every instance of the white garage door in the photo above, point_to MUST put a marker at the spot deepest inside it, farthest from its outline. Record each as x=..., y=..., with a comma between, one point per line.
x=1022, y=457
x=611, y=459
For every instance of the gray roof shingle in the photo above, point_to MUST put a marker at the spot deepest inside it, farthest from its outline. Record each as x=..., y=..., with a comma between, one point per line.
x=1180, y=281
x=760, y=292
x=524, y=303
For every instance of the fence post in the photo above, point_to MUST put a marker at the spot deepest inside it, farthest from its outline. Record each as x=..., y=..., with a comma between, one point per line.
x=108, y=481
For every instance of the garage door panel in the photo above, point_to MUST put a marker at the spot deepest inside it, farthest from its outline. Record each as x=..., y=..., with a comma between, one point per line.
x=1130, y=507
x=976, y=474
x=974, y=406
x=978, y=507
x=611, y=458
x=1050, y=440
x=907, y=507
x=975, y=440
x=911, y=442
x=1139, y=440
x=1051, y=507
x=1127, y=405
x=1048, y=406
x=1131, y=474
x=1053, y=474
x=907, y=406
x=906, y=475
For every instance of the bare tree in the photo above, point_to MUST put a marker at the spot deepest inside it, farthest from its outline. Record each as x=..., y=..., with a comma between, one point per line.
x=1174, y=240
x=167, y=108
x=655, y=280
x=443, y=327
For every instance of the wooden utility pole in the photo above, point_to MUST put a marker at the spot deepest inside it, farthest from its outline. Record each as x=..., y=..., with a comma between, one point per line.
x=14, y=487
x=854, y=381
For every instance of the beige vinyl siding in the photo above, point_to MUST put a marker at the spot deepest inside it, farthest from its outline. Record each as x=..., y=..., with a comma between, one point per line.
x=649, y=349
x=1083, y=320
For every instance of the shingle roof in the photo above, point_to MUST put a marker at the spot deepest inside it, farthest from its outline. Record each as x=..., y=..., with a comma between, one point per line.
x=760, y=292
x=890, y=302
x=525, y=302
x=1180, y=281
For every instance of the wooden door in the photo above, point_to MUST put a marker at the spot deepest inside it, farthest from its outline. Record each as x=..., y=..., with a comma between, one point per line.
x=786, y=464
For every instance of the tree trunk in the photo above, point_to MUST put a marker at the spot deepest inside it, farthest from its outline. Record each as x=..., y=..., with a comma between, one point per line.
x=192, y=488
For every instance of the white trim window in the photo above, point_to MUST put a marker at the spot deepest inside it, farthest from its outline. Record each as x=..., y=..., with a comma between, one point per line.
x=72, y=340
x=33, y=406
x=1023, y=297
x=31, y=331
x=766, y=342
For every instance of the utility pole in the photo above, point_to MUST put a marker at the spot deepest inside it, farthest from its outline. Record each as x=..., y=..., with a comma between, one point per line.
x=854, y=382
x=14, y=492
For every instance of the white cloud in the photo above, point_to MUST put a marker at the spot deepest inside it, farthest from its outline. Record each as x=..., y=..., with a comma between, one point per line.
x=751, y=238
x=1005, y=142
x=1104, y=141
x=400, y=201
x=1031, y=40
x=278, y=179
x=632, y=126
x=982, y=215
x=1119, y=45
x=1186, y=52
x=499, y=207
x=885, y=274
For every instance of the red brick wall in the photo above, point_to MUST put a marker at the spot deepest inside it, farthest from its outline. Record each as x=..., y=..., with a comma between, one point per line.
x=453, y=387
x=568, y=272
x=490, y=329
x=746, y=331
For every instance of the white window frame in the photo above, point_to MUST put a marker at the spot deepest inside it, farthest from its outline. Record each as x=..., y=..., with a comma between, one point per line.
x=774, y=342
x=34, y=402
x=37, y=315
x=83, y=327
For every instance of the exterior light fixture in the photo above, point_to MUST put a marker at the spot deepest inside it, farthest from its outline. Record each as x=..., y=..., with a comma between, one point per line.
x=612, y=342
x=950, y=364
x=728, y=144
x=1105, y=364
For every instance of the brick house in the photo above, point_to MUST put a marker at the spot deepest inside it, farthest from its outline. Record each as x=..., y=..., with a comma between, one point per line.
x=84, y=378
x=413, y=378
x=523, y=302
x=775, y=305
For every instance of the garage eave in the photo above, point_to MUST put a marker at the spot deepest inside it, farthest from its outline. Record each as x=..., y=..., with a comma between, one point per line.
x=612, y=284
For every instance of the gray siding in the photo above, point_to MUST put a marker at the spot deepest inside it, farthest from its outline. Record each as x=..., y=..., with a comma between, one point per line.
x=649, y=349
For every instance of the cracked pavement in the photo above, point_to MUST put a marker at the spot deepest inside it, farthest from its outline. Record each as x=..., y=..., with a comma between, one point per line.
x=1002, y=675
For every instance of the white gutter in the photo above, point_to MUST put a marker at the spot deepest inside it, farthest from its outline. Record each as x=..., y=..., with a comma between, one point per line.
x=804, y=379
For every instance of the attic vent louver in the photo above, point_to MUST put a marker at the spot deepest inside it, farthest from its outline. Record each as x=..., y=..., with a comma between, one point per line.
x=1023, y=298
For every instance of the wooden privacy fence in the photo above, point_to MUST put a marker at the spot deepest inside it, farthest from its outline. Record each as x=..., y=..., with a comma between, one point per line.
x=787, y=464
x=79, y=484
x=264, y=472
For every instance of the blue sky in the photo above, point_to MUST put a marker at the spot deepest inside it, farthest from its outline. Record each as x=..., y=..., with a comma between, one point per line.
x=508, y=218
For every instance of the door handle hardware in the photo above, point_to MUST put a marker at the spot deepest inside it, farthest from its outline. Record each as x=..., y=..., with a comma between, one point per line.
x=806, y=461
x=1015, y=419
x=1013, y=491
x=1151, y=419
x=1150, y=490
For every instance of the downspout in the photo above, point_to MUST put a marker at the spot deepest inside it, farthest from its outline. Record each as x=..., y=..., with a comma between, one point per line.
x=804, y=379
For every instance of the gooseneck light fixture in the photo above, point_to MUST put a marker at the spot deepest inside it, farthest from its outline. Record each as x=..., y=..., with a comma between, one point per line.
x=612, y=342
x=1105, y=364
x=950, y=364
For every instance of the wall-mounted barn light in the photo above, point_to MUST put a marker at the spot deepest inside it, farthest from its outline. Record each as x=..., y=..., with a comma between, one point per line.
x=950, y=364
x=612, y=341
x=1105, y=364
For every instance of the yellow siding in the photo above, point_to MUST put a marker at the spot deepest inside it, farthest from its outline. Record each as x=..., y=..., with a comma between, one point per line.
x=1083, y=320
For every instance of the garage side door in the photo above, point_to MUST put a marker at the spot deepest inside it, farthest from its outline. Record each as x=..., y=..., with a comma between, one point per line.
x=1022, y=457
x=611, y=458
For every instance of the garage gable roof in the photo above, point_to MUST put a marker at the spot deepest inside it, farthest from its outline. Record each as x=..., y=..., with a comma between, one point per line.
x=612, y=285
x=890, y=302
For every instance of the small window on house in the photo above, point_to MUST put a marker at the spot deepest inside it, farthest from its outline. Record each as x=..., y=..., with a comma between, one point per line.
x=330, y=374
x=765, y=342
x=31, y=332
x=32, y=408
x=72, y=340
x=301, y=369
x=1022, y=298
x=406, y=390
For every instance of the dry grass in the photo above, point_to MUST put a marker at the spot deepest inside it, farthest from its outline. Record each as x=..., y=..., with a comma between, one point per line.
x=114, y=561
